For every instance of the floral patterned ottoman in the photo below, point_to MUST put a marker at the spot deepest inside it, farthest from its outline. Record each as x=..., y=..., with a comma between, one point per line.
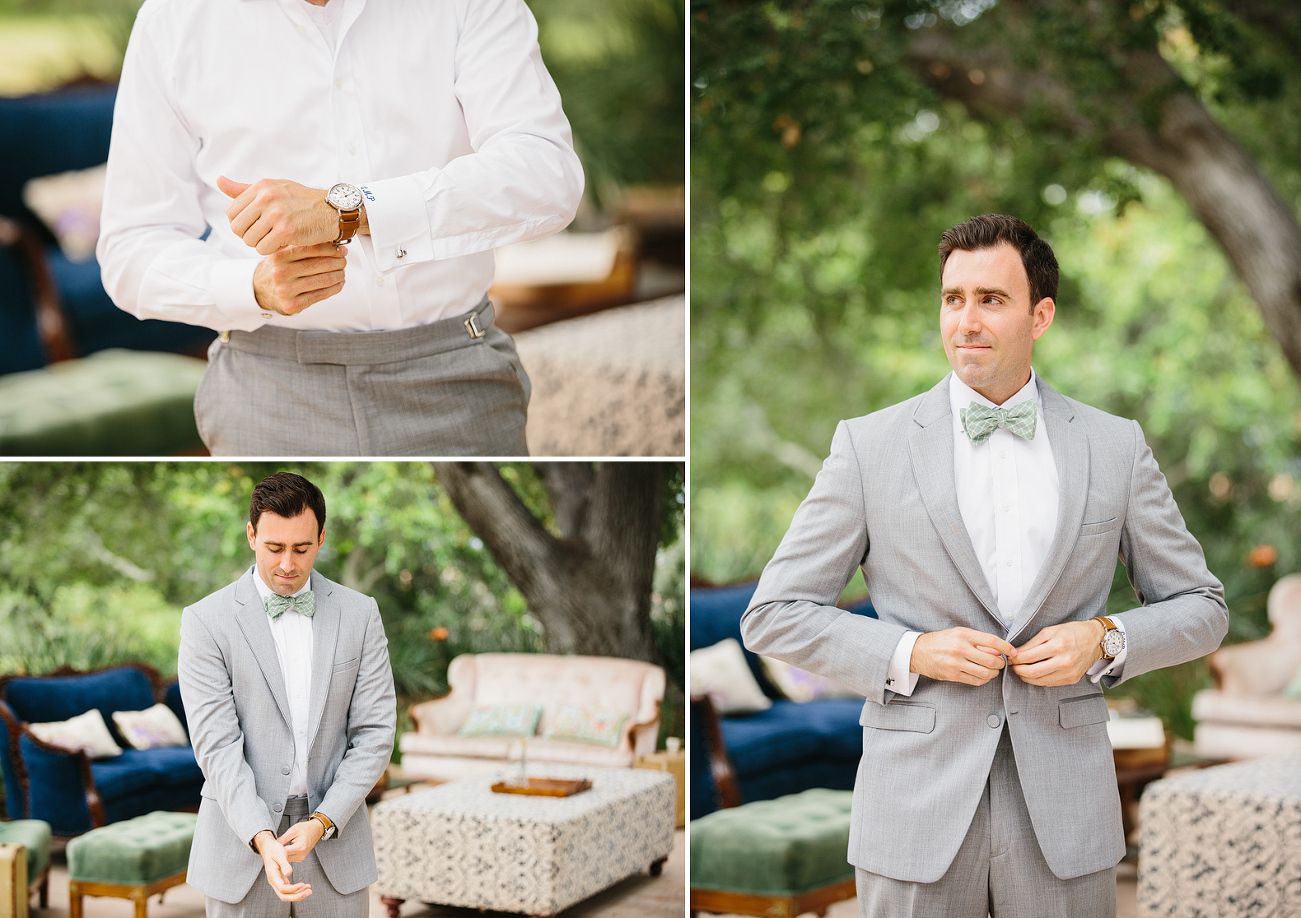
x=460, y=844
x=1223, y=842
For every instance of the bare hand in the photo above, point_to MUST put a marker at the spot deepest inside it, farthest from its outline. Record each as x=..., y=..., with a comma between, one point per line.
x=1060, y=654
x=295, y=277
x=959, y=655
x=273, y=213
x=277, y=868
x=301, y=838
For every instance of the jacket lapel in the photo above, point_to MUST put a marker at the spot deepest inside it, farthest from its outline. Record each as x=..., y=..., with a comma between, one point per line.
x=256, y=627
x=325, y=635
x=1071, y=456
x=930, y=446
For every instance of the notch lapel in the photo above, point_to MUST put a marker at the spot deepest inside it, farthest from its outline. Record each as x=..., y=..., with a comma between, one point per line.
x=1071, y=456
x=930, y=446
x=325, y=635
x=256, y=627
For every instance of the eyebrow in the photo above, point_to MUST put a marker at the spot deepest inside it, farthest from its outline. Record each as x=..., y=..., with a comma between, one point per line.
x=295, y=545
x=979, y=290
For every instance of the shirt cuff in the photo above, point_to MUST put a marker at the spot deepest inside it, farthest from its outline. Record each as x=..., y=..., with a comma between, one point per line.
x=398, y=221
x=1113, y=667
x=898, y=678
x=232, y=293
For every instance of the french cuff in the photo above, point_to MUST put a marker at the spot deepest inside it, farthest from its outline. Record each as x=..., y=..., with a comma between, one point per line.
x=1113, y=667
x=232, y=292
x=398, y=222
x=898, y=678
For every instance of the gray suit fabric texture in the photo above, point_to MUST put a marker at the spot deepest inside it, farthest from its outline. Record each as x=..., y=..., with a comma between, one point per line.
x=428, y=391
x=238, y=712
x=262, y=902
x=885, y=502
x=998, y=871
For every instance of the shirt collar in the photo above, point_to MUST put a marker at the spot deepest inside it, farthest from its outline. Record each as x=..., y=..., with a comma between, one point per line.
x=961, y=395
x=265, y=591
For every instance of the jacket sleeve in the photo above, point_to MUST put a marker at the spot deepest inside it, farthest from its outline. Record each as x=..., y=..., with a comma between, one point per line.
x=372, y=724
x=209, y=700
x=793, y=615
x=1182, y=614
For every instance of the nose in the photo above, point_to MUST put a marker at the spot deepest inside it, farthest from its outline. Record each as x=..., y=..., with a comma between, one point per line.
x=969, y=320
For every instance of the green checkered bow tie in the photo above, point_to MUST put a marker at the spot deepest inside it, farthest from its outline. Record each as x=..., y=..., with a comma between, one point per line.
x=979, y=421
x=303, y=604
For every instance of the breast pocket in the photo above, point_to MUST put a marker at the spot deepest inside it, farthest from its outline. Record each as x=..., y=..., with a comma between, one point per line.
x=912, y=718
x=1100, y=527
x=347, y=666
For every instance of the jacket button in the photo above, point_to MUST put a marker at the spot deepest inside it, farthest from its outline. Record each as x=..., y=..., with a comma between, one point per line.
x=993, y=720
x=284, y=769
x=278, y=807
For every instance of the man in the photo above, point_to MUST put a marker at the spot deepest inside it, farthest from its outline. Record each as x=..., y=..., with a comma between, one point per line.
x=289, y=697
x=987, y=515
x=323, y=182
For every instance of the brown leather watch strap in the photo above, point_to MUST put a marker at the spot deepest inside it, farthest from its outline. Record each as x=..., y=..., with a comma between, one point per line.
x=349, y=223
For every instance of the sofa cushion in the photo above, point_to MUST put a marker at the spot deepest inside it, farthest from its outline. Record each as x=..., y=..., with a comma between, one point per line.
x=43, y=699
x=156, y=726
x=502, y=720
x=479, y=747
x=581, y=724
x=505, y=749
x=86, y=733
x=137, y=770
x=138, y=851
x=790, y=733
x=112, y=403
x=1212, y=705
x=32, y=834
x=783, y=847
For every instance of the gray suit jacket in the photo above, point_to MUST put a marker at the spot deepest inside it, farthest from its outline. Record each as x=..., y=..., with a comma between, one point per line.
x=885, y=501
x=234, y=695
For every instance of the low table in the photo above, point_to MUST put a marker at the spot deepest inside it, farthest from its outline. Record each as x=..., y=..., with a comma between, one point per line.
x=1222, y=841
x=460, y=844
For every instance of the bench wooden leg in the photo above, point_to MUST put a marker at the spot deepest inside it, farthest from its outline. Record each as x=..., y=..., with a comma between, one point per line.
x=74, y=899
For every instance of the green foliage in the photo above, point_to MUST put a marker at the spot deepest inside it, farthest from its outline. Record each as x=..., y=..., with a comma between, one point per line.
x=825, y=167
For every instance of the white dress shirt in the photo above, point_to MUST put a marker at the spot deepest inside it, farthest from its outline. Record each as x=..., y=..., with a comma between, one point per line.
x=292, y=633
x=443, y=113
x=1008, y=494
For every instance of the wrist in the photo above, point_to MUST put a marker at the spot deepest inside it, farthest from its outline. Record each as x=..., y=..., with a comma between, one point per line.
x=256, y=842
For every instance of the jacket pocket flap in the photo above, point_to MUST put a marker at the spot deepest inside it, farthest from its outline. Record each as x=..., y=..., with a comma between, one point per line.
x=917, y=718
x=1086, y=709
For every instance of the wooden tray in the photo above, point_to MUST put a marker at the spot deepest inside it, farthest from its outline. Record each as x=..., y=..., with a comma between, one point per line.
x=545, y=787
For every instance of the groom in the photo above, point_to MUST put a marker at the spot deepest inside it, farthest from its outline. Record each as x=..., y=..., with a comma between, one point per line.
x=287, y=688
x=987, y=515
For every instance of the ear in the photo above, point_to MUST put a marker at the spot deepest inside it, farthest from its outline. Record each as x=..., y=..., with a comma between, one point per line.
x=1044, y=310
x=321, y=540
x=252, y=536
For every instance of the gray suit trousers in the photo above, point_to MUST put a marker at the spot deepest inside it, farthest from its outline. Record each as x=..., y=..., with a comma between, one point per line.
x=999, y=870
x=434, y=390
x=324, y=902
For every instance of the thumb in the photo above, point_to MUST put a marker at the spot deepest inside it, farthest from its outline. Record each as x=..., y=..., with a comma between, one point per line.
x=229, y=188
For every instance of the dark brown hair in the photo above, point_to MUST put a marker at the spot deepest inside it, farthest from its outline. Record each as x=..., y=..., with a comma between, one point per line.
x=286, y=494
x=988, y=230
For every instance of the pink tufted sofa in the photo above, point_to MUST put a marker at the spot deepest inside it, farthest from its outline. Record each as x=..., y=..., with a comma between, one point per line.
x=435, y=750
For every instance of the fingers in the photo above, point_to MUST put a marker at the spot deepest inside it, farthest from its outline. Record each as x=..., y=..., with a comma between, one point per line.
x=229, y=188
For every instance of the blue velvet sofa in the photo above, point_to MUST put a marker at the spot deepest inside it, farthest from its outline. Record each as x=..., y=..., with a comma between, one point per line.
x=791, y=747
x=57, y=132
x=69, y=790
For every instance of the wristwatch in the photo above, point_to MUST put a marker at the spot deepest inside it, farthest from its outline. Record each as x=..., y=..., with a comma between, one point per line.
x=325, y=821
x=1113, y=639
x=346, y=199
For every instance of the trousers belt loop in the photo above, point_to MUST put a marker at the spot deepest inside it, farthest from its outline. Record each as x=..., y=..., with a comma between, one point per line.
x=472, y=325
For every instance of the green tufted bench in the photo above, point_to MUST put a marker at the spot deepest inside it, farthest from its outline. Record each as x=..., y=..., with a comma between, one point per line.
x=776, y=858
x=34, y=835
x=111, y=403
x=133, y=859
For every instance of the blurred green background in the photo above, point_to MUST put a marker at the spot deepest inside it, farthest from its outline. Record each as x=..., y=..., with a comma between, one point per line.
x=97, y=560
x=619, y=65
x=831, y=144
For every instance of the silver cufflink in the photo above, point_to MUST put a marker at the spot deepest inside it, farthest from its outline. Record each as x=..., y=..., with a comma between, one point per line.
x=401, y=253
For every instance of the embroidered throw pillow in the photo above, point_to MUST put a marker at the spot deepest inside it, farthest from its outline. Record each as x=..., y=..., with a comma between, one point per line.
x=800, y=685
x=601, y=726
x=721, y=673
x=502, y=720
x=156, y=726
x=85, y=732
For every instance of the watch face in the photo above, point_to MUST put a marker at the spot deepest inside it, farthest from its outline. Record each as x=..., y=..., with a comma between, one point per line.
x=1114, y=643
x=345, y=196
